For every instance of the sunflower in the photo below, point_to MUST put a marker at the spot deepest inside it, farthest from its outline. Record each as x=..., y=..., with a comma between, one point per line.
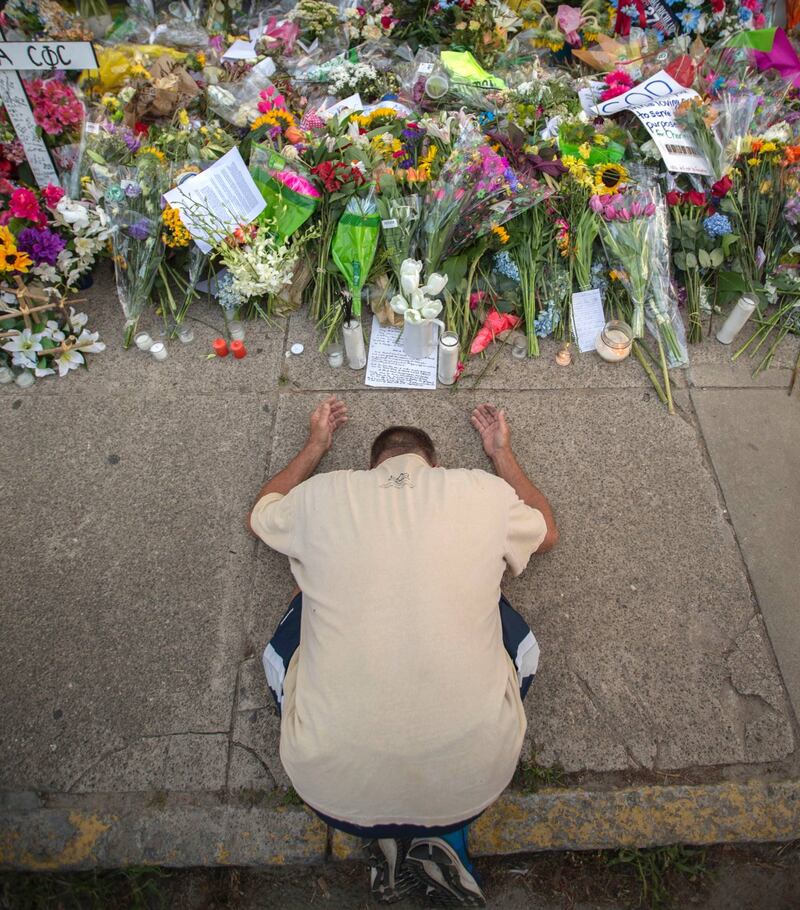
x=501, y=233
x=11, y=260
x=278, y=116
x=608, y=177
x=152, y=150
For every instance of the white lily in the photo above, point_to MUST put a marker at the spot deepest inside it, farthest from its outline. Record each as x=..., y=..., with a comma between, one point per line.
x=435, y=284
x=77, y=320
x=24, y=347
x=53, y=332
x=69, y=360
x=40, y=372
x=89, y=342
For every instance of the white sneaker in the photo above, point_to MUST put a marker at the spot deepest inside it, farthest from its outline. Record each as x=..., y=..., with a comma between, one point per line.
x=437, y=865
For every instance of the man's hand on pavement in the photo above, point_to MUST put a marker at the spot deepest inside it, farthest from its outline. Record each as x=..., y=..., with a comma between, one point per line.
x=325, y=421
x=492, y=426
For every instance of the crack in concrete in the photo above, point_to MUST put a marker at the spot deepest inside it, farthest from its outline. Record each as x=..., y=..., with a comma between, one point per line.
x=235, y=743
x=110, y=752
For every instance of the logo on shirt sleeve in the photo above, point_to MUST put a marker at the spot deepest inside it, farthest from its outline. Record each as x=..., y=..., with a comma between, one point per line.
x=397, y=482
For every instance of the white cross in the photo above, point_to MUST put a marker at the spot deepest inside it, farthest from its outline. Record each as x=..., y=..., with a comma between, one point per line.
x=42, y=56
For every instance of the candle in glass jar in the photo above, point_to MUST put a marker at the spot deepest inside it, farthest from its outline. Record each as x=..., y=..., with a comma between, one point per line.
x=236, y=330
x=143, y=341
x=614, y=341
x=220, y=347
x=519, y=350
x=25, y=379
x=335, y=355
x=354, y=344
x=186, y=333
x=448, y=358
x=6, y=375
x=238, y=349
x=159, y=351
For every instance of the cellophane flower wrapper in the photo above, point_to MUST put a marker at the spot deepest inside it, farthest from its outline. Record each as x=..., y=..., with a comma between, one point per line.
x=400, y=216
x=661, y=314
x=132, y=197
x=291, y=197
x=476, y=190
x=355, y=243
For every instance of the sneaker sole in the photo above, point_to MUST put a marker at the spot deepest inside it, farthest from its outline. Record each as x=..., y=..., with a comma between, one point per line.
x=381, y=889
x=435, y=868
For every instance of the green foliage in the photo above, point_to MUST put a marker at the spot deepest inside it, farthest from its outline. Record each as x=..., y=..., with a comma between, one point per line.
x=531, y=777
x=136, y=888
x=653, y=868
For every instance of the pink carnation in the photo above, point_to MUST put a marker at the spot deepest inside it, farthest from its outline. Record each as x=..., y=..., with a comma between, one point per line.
x=24, y=204
x=52, y=195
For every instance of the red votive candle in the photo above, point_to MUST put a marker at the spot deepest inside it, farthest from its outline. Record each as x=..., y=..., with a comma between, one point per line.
x=238, y=349
x=220, y=347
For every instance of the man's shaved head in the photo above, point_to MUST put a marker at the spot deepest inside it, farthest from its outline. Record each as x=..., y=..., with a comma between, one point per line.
x=402, y=441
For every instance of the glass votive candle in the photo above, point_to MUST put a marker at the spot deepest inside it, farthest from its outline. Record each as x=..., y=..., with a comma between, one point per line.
x=159, y=351
x=143, y=341
x=447, y=369
x=236, y=330
x=6, y=375
x=615, y=341
x=25, y=379
x=335, y=355
x=185, y=333
x=519, y=346
x=436, y=86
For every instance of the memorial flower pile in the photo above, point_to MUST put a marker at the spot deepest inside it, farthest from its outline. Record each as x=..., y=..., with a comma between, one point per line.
x=522, y=152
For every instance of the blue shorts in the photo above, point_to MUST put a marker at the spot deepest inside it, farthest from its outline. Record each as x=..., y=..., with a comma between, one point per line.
x=518, y=640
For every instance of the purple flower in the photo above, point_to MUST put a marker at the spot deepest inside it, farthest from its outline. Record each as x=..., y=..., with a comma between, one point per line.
x=41, y=244
x=140, y=230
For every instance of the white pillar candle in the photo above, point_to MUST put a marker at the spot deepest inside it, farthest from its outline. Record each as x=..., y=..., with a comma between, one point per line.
x=6, y=375
x=614, y=341
x=237, y=330
x=448, y=358
x=25, y=379
x=737, y=317
x=159, y=351
x=143, y=341
x=354, y=344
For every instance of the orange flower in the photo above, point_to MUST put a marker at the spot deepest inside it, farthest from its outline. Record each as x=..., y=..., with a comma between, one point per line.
x=792, y=154
x=755, y=145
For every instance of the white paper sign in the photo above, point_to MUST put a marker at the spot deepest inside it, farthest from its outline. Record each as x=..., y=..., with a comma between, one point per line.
x=654, y=102
x=47, y=55
x=659, y=85
x=241, y=50
x=342, y=108
x=21, y=116
x=388, y=367
x=587, y=318
x=217, y=200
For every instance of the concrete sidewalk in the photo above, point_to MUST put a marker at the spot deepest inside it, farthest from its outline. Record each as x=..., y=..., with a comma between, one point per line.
x=138, y=727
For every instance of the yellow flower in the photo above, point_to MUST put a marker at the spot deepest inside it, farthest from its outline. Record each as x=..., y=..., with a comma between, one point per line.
x=276, y=117
x=175, y=233
x=769, y=147
x=766, y=187
x=201, y=58
x=183, y=118
x=11, y=260
x=608, y=177
x=601, y=139
x=138, y=70
x=501, y=233
x=584, y=150
x=428, y=158
x=474, y=25
x=752, y=161
x=152, y=150
x=366, y=121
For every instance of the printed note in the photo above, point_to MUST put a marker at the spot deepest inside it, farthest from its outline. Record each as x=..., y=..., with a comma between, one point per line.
x=217, y=200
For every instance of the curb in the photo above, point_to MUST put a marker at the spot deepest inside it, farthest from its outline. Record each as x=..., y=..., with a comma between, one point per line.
x=42, y=839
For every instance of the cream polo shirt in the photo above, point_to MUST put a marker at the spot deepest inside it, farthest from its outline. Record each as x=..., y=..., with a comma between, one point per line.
x=401, y=705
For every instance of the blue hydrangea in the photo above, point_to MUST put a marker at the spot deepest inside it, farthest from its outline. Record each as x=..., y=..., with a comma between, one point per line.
x=227, y=294
x=547, y=321
x=717, y=225
x=745, y=15
x=630, y=11
x=505, y=265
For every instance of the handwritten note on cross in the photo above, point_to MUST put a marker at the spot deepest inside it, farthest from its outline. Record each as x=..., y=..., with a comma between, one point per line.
x=37, y=56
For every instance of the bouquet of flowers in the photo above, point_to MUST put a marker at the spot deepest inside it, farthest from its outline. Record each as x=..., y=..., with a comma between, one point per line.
x=371, y=22
x=132, y=197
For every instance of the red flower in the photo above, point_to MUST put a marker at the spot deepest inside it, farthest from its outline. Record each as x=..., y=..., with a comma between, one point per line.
x=6, y=187
x=327, y=174
x=24, y=204
x=695, y=197
x=682, y=70
x=722, y=187
x=52, y=195
x=718, y=6
x=386, y=22
x=141, y=129
x=674, y=197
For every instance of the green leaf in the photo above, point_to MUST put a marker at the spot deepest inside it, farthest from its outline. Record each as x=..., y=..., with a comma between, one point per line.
x=691, y=261
x=727, y=242
x=717, y=258
x=704, y=258
x=680, y=261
